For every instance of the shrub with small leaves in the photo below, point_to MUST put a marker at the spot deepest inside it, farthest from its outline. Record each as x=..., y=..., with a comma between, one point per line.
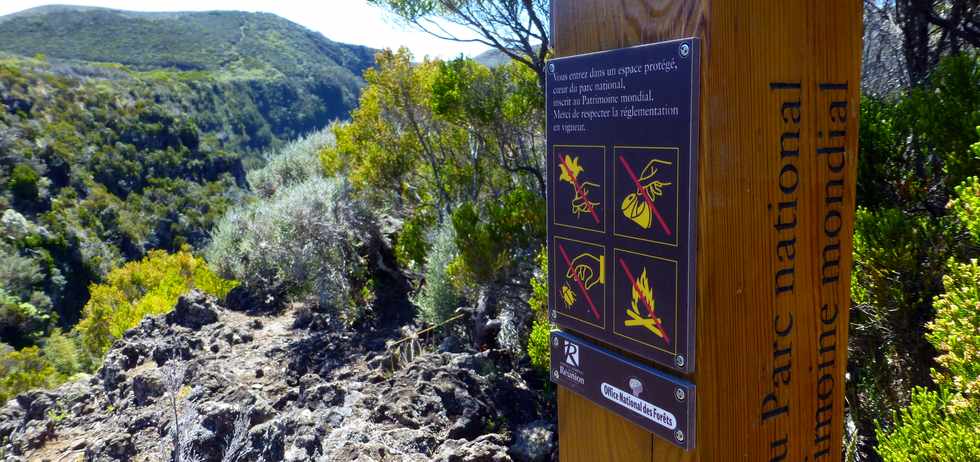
x=24, y=370
x=302, y=242
x=438, y=298
x=63, y=351
x=21, y=323
x=942, y=425
x=538, y=347
x=966, y=204
x=491, y=237
x=295, y=163
x=955, y=332
x=24, y=182
x=413, y=244
x=937, y=426
x=150, y=286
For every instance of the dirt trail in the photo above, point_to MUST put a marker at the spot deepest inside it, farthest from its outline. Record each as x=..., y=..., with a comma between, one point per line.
x=306, y=389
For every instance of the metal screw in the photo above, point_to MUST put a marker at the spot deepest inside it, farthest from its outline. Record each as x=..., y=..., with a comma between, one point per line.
x=680, y=394
x=685, y=50
x=555, y=374
x=554, y=340
x=679, y=435
x=679, y=360
x=551, y=67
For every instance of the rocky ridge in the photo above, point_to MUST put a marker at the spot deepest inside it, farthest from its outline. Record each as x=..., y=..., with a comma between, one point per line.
x=289, y=386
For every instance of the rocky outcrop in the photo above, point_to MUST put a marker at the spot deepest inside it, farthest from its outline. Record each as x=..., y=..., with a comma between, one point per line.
x=292, y=386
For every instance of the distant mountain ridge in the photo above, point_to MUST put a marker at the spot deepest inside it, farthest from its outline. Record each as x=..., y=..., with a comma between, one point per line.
x=297, y=79
x=184, y=40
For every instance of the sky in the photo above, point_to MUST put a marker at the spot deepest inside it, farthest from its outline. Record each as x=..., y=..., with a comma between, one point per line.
x=350, y=21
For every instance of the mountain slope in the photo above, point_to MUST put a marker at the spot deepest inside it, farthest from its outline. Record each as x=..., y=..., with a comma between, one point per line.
x=124, y=132
x=297, y=79
x=187, y=40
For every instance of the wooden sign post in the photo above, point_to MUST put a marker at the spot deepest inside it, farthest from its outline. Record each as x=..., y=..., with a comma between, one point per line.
x=776, y=164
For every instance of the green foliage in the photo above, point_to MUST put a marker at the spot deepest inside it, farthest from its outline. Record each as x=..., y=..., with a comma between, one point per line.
x=916, y=148
x=295, y=163
x=301, y=242
x=936, y=426
x=916, y=199
x=538, y=343
x=24, y=370
x=64, y=353
x=104, y=168
x=955, y=331
x=438, y=298
x=279, y=79
x=413, y=246
x=23, y=182
x=966, y=204
x=21, y=323
x=942, y=425
x=150, y=286
x=413, y=243
x=943, y=116
x=882, y=170
x=454, y=144
x=434, y=134
x=489, y=238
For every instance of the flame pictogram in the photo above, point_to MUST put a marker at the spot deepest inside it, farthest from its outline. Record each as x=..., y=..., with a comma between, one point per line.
x=643, y=297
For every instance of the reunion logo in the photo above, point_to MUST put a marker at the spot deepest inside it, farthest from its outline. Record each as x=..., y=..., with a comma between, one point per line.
x=571, y=354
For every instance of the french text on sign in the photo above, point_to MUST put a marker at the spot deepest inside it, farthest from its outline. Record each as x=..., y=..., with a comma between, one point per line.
x=622, y=169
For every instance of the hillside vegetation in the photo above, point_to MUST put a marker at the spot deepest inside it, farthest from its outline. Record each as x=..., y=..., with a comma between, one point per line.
x=286, y=79
x=125, y=136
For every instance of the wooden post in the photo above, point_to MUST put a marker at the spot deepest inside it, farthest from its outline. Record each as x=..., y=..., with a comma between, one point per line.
x=780, y=82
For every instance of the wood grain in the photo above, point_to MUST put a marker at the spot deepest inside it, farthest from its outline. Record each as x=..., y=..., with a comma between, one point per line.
x=748, y=45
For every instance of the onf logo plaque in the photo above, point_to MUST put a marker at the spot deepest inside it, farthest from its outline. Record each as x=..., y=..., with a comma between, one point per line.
x=661, y=404
x=622, y=169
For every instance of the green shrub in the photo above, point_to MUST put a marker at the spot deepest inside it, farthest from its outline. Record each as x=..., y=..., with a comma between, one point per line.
x=955, y=332
x=23, y=182
x=490, y=237
x=150, y=286
x=301, y=242
x=25, y=370
x=295, y=163
x=412, y=247
x=936, y=426
x=966, y=204
x=63, y=351
x=438, y=298
x=538, y=343
x=943, y=117
x=942, y=425
x=21, y=323
x=899, y=260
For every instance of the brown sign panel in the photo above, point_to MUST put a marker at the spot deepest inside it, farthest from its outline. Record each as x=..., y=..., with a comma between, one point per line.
x=651, y=399
x=622, y=151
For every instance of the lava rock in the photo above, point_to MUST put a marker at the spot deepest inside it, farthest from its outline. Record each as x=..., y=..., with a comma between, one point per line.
x=534, y=442
x=194, y=311
x=146, y=388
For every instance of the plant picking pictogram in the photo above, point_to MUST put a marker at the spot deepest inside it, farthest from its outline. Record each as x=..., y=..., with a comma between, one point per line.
x=571, y=170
